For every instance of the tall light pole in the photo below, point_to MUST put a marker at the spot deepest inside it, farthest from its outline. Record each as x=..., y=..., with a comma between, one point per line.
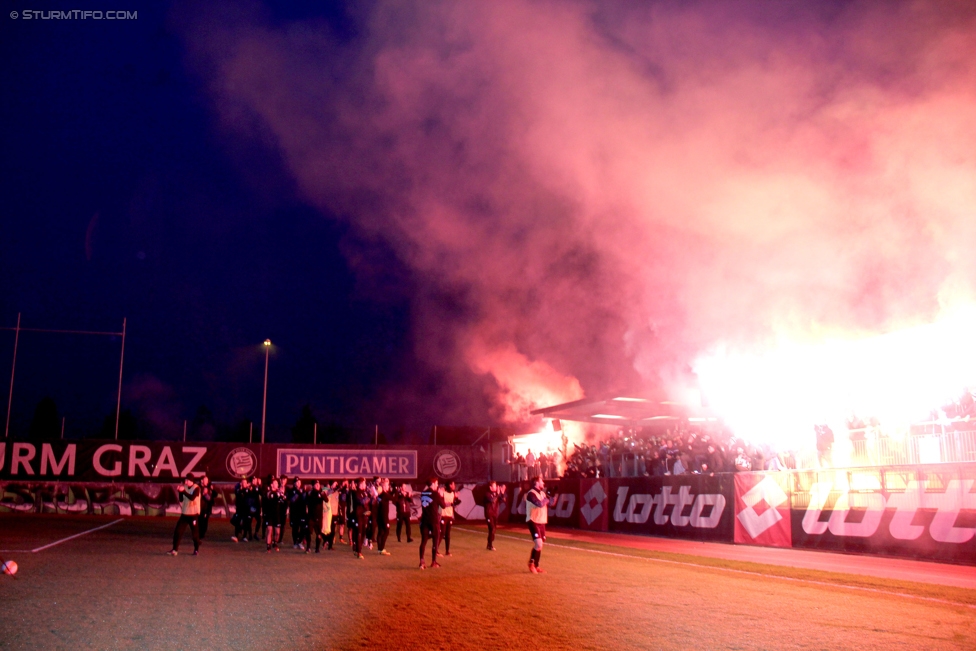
x=118, y=404
x=264, y=402
x=13, y=367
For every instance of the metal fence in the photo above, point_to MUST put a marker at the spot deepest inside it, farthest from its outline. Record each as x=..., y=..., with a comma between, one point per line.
x=944, y=447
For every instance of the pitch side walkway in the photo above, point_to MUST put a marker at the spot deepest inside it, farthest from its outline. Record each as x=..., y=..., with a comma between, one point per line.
x=960, y=576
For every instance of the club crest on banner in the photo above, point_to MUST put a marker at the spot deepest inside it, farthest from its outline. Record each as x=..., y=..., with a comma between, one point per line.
x=447, y=464
x=241, y=462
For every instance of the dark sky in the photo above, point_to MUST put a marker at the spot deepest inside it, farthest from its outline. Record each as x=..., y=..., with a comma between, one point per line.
x=121, y=199
x=455, y=212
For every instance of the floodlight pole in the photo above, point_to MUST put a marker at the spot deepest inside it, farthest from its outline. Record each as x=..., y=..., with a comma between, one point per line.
x=264, y=402
x=118, y=402
x=13, y=367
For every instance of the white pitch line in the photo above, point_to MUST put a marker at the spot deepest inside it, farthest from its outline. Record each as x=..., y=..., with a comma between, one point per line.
x=58, y=542
x=734, y=571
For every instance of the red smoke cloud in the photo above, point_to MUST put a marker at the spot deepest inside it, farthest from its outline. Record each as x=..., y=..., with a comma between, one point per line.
x=606, y=191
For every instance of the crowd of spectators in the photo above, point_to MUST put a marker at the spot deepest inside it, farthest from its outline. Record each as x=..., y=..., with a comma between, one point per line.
x=534, y=465
x=683, y=449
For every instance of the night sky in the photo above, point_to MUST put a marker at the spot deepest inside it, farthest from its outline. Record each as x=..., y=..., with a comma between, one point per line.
x=121, y=199
x=454, y=213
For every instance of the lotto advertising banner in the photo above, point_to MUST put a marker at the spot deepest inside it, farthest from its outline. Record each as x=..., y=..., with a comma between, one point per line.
x=762, y=509
x=682, y=506
x=928, y=515
x=594, y=511
x=563, y=502
x=155, y=461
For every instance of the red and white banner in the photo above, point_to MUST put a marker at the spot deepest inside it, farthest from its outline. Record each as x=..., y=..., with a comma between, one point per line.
x=762, y=509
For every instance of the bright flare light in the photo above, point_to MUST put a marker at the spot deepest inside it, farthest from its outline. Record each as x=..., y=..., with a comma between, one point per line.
x=778, y=395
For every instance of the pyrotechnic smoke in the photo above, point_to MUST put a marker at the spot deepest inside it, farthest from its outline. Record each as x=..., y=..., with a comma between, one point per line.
x=614, y=192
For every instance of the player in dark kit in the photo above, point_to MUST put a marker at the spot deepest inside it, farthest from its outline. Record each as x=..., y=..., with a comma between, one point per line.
x=494, y=499
x=340, y=514
x=298, y=514
x=256, y=493
x=404, y=501
x=430, y=503
x=271, y=511
x=315, y=501
x=242, y=511
x=207, y=498
x=283, y=507
x=537, y=514
x=357, y=514
x=384, y=499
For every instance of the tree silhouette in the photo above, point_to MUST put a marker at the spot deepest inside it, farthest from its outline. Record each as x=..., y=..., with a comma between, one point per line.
x=128, y=426
x=46, y=424
x=203, y=427
x=304, y=429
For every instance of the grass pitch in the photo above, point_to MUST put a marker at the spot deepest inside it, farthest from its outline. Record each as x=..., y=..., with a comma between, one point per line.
x=116, y=589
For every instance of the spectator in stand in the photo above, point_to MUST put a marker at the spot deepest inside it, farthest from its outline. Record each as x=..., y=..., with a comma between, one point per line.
x=605, y=460
x=678, y=467
x=658, y=467
x=775, y=463
x=519, y=463
x=825, y=444
x=530, y=464
x=543, y=465
x=758, y=458
x=715, y=459
x=742, y=461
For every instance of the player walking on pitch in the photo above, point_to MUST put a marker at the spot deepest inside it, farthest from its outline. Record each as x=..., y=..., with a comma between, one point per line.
x=494, y=499
x=449, y=495
x=537, y=514
x=431, y=501
x=189, y=494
